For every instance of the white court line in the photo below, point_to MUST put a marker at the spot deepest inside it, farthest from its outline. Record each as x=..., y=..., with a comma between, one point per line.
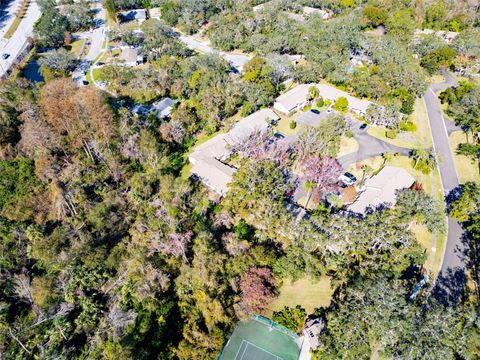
x=258, y=347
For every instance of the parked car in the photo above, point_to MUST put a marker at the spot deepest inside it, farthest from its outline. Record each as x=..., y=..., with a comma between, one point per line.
x=363, y=126
x=85, y=82
x=315, y=111
x=279, y=135
x=348, y=179
x=5, y=56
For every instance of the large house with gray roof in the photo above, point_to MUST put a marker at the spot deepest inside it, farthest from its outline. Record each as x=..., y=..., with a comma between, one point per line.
x=209, y=159
x=380, y=190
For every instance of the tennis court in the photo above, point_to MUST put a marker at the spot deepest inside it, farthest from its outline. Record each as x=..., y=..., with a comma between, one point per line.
x=261, y=339
x=249, y=351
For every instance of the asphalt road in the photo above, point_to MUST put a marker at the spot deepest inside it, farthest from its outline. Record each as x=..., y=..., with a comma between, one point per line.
x=451, y=278
x=17, y=42
x=368, y=146
x=97, y=38
x=7, y=14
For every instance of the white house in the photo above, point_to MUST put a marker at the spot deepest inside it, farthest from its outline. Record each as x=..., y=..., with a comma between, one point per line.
x=139, y=15
x=129, y=57
x=163, y=107
x=293, y=99
x=380, y=190
x=331, y=93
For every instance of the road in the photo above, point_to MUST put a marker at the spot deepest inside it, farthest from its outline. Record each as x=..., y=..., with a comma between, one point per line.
x=7, y=15
x=204, y=46
x=451, y=278
x=97, y=38
x=16, y=44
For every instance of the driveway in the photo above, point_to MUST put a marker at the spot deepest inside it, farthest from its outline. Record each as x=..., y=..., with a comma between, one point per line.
x=368, y=146
x=452, y=277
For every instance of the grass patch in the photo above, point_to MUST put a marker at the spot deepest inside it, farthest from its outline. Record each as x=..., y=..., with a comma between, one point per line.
x=420, y=119
x=88, y=76
x=347, y=146
x=306, y=292
x=77, y=47
x=283, y=125
x=437, y=79
x=425, y=238
x=18, y=19
x=185, y=172
x=419, y=138
x=97, y=74
x=467, y=170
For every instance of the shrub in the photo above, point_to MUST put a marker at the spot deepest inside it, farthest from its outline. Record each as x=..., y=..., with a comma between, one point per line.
x=307, y=107
x=391, y=134
x=349, y=134
x=320, y=102
x=341, y=104
x=328, y=102
x=293, y=124
x=408, y=126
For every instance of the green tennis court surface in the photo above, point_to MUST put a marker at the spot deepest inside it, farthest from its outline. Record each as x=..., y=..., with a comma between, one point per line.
x=261, y=339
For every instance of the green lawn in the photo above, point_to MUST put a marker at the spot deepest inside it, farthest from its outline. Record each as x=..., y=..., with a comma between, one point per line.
x=425, y=238
x=97, y=74
x=77, y=47
x=305, y=292
x=467, y=170
x=283, y=125
x=347, y=146
x=419, y=138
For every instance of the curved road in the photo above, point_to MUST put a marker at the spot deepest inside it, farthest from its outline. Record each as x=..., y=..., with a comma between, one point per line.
x=451, y=279
x=368, y=146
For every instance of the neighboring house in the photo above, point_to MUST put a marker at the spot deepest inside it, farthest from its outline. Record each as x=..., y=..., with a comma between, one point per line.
x=331, y=93
x=325, y=15
x=258, y=121
x=155, y=13
x=139, y=15
x=209, y=158
x=293, y=100
x=310, y=118
x=312, y=331
x=380, y=190
x=213, y=173
x=260, y=7
x=163, y=107
x=447, y=36
x=129, y=57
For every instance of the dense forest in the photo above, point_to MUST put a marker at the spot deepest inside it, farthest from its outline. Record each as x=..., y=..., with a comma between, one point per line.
x=108, y=251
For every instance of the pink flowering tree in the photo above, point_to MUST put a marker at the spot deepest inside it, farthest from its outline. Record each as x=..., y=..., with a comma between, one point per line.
x=257, y=290
x=321, y=174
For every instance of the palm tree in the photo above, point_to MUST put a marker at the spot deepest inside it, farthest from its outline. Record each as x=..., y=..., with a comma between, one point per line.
x=313, y=92
x=309, y=187
x=366, y=169
x=387, y=157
